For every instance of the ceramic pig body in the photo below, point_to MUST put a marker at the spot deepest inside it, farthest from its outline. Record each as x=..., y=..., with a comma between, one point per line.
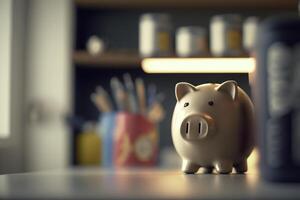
x=212, y=127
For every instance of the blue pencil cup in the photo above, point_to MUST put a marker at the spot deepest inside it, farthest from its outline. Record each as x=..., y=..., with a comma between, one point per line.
x=106, y=130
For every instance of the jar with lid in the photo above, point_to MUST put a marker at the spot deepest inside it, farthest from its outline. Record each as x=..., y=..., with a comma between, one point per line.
x=226, y=35
x=154, y=35
x=191, y=41
x=249, y=33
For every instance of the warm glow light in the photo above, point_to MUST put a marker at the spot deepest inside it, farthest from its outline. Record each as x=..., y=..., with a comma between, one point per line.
x=198, y=65
x=253, y=161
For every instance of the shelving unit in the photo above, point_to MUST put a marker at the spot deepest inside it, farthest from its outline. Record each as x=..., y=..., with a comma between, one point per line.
x=116, y=22
x=124, y=59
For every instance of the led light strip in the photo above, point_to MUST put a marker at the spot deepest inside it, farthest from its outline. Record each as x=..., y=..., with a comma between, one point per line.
x=198, y=65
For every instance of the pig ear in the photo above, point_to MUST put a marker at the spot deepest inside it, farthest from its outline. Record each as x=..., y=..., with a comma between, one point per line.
x=230, y=88
x=182, y=88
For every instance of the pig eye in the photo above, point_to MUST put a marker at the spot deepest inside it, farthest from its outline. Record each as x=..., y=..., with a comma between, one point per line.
x=211, y=103
x=186, y=104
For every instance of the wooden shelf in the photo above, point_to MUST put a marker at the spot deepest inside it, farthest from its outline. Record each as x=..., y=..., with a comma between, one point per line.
x=125, y=59
x=189, y=4
x=107, y=60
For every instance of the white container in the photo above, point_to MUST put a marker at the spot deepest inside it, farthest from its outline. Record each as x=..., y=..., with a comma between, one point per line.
x=191, y=41
x=249, y=33
x=226, y=35
x=95, y=45
x=154, y=35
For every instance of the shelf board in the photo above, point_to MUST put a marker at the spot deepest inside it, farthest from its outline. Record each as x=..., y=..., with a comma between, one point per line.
x=107, y=60
x=172, y=64
x=189, y=4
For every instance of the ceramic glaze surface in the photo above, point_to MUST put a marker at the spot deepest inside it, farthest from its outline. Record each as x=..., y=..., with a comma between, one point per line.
x=212, y=127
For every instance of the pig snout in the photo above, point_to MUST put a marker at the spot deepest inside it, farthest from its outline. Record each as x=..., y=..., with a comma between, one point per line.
x=195, y=126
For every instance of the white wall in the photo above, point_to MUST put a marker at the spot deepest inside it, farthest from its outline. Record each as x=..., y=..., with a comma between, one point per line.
x=41, y=71
x=48, y=82
x=12, y=53
x=5, y=63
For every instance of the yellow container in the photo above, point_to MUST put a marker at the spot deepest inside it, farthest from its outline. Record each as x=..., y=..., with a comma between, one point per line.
x=88, y=148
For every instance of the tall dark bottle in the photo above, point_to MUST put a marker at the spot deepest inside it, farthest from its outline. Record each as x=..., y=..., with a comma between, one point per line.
x=277, y=98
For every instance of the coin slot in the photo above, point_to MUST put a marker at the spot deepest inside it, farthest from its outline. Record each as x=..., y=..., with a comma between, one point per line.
x=199, y=128
x=187, y=127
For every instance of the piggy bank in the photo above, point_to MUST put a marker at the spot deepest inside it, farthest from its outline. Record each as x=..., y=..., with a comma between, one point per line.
x=212, y=127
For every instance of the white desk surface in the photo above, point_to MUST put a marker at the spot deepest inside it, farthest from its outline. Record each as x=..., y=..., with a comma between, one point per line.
x=91, y=183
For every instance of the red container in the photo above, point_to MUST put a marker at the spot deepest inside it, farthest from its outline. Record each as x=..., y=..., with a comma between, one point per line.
x=135, y=142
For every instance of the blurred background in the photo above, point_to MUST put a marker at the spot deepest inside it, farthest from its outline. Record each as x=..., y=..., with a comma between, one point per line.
x=72, y=87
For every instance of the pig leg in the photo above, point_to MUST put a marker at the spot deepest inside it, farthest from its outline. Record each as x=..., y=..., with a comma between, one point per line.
x=223, y=167
x=189, y=167
x=207, y=170
x=241, y=167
